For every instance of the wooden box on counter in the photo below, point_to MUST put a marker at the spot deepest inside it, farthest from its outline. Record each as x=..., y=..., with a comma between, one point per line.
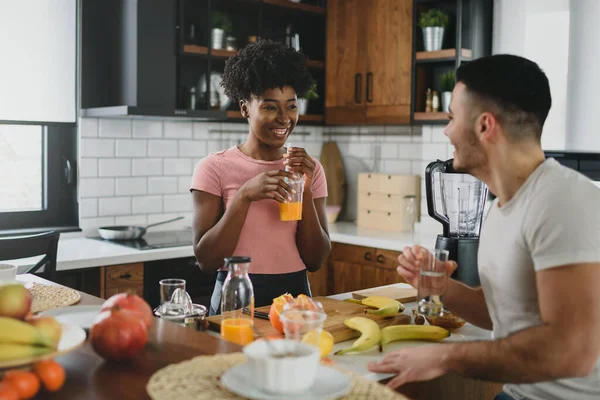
x=381, y=203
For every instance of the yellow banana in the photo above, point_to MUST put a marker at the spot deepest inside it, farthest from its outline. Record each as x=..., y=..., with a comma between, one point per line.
x=10, y=351
x=370, y=334
x=351, y=300
x=14, y=331
x=386, y=307
x=411, y=332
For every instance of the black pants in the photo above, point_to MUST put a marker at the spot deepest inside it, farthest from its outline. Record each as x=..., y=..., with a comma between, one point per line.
x=266, y=288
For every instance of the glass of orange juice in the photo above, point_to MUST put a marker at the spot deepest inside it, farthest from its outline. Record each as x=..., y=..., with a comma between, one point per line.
x=291, y=210
x=237, y=302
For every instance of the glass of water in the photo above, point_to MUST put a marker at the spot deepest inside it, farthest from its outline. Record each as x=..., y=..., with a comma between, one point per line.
x=433, y=277
x=168, y=287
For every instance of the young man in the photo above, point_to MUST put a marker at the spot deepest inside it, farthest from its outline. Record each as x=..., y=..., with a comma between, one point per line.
x=539, y=252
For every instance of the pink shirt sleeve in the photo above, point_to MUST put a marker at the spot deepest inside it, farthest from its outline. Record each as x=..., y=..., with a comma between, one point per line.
x=319, y=182
x=206, y=176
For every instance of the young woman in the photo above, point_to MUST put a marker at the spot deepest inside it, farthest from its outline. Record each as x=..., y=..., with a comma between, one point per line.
x=236, y=191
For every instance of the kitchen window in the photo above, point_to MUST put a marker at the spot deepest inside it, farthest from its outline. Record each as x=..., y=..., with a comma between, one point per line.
x=38, y=188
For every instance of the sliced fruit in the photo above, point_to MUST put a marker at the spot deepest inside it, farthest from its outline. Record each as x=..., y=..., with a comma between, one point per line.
x=276, y=310
x=324, y=341
x=370, y=335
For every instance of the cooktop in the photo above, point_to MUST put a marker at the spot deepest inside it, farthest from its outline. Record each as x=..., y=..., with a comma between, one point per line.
x=156, y=240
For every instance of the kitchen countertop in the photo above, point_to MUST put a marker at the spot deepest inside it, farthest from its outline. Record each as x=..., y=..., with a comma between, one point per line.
x=76, y=251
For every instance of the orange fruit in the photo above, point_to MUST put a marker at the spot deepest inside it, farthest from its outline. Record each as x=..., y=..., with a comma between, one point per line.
x=304, y=302
x=51, y=373
x=276, y=309
x=26, y=383
x=8, y=392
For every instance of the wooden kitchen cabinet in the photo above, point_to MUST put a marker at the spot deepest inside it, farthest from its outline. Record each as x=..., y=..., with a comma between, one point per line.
x=319, y=281
x=122, y=278
x=369, y=62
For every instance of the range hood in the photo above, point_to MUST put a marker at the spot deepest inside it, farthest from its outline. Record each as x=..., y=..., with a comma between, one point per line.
x=148, y=112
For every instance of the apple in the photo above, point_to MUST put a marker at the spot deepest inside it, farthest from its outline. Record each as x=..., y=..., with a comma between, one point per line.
x=15, y=301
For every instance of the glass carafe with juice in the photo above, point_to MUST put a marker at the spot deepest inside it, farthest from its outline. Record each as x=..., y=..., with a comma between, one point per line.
x=291, y=210
x=237, y=302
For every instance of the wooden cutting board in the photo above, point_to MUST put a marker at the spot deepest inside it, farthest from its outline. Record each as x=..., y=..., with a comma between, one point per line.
x=337, y=312
x=403, y=295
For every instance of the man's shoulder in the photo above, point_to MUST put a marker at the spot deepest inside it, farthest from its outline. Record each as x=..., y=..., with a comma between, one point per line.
x=556, y=180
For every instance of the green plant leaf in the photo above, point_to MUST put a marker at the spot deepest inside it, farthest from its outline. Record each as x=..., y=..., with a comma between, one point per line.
x=312, y=94
x=433, y=17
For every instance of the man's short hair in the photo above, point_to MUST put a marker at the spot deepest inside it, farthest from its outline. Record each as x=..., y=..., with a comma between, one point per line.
x=513, y=88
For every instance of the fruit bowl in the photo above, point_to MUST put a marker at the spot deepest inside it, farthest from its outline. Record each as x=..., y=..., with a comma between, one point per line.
x=72, y=337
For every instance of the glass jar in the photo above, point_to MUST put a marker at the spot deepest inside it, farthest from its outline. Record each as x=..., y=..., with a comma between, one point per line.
x=237, y=302
x=410, y=213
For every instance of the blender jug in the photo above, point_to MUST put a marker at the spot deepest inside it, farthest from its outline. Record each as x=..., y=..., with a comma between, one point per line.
x=462, y=197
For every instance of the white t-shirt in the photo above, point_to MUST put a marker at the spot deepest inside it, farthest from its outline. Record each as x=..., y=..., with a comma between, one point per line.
x=552, y=220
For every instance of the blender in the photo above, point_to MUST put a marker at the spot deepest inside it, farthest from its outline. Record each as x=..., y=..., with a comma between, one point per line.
x=462, y=198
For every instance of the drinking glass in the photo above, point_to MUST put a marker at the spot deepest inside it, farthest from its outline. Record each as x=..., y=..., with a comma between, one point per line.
x=291, y=210
x=8, y=272
x=433, y=277
x=168, y=287
x=303, y=321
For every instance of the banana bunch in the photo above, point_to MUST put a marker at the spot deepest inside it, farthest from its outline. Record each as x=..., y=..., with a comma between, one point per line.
x=385, y=306
x=19, y=339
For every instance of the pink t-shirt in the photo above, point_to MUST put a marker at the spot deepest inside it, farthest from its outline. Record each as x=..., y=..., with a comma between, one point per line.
x=270, y=242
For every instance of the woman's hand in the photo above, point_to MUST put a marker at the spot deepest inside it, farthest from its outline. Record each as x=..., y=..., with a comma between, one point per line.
x=410, y=263
x=268, y=185
x=298, y=161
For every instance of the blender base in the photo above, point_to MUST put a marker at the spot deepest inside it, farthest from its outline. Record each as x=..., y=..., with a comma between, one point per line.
x=464, y=252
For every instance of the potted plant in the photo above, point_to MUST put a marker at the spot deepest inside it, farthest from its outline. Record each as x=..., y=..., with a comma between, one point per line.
x=221, y=23
x=446, y=86
x=433, y=23
x=311, y=94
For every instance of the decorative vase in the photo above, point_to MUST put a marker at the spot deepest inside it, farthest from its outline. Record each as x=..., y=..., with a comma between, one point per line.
x=446, y=98
x=433, y=36
x=217, y=38
x=302, y=106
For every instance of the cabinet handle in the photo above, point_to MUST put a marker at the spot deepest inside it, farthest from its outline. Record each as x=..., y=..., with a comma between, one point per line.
x=357, y=87
x=381, y=259
x=125, y=276
x=368, y=256
x=369, y=87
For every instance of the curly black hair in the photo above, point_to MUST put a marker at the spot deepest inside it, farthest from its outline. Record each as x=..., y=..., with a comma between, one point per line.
x=264, y=65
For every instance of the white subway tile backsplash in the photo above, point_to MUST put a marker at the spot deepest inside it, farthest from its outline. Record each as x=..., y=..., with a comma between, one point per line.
x=114, y=167
x=178, y=202
x=437, y=134
x=132, y=148
x=147, y=167
x=96, y=187
x=88, y=207
x=112, y=206
x=147, y=204
x=162, y=185
x=88, y=127
x=363, y=150
x=418, y=167
x=192, y=148
x=88, y=168
x=147, y=129
x=114, y=128
x=409, y=151
x=130, y=186
x=432, y=152
x=396, y=167
x=183, y=184
x=178, y=130
x=136, y=220
x=177, y=166
x=97, y=147
x=90, y=225
x=425, y=136
x=313, y=148
x=389, y=151
x=398, y=130
x=234, y=127
x=449, y=151
x=200, y=130
x=162, y=148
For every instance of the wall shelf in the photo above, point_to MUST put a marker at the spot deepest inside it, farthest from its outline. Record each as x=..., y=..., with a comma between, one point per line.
x=432, y=116
x=193, y=49
x=442, y=55
x=235, y=115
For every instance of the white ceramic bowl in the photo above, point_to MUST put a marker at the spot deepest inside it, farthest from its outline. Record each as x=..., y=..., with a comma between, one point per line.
x=282, y=375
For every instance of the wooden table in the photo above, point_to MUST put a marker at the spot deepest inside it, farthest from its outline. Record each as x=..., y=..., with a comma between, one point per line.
x=89, y=377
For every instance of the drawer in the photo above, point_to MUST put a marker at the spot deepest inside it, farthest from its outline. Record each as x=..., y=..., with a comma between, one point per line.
x=352, y=254
x=383, y=220
x=401, y=185
x=387, y=258
x=380, y=201
x=127, y=275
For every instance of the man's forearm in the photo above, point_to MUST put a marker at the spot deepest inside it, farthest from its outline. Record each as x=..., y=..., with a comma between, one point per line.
x=468, y=303
x=531, y=355
x=312, y=240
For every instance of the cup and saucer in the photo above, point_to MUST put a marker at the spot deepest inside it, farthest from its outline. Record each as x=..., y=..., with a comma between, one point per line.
x=285, y=369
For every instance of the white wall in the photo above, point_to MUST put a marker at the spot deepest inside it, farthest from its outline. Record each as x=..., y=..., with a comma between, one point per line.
x=539, y=31
x=584, y=76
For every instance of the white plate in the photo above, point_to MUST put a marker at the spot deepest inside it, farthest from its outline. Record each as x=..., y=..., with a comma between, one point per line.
x=81, y=316
x=72, y=337
x=330, y=384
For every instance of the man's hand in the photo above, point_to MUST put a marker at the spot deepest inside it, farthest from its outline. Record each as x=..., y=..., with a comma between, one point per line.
x=410, y=262
x=412, y=364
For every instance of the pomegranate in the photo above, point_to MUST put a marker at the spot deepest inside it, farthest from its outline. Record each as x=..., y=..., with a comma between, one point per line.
x=118, y=334
x=132, y=302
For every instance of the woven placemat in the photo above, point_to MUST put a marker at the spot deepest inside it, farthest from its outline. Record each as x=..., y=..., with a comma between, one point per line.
x=198, y=379
x=44, y=297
